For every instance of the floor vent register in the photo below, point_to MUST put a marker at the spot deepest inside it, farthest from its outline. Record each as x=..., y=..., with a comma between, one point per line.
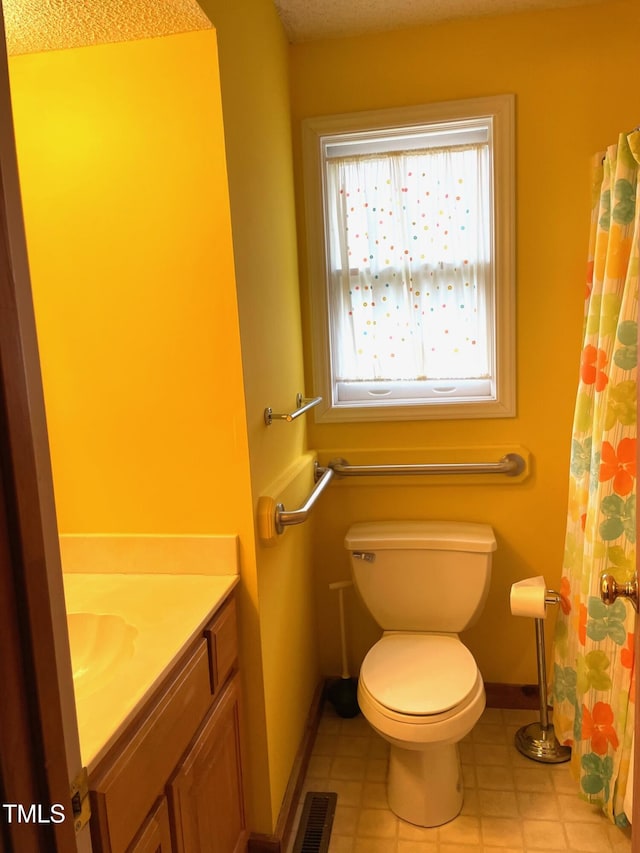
x=314, y=830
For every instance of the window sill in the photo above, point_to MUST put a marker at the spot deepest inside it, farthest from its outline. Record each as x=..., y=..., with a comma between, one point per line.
x=433, y=410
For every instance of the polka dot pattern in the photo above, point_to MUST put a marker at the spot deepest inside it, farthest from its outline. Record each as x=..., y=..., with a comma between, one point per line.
x=408, y=235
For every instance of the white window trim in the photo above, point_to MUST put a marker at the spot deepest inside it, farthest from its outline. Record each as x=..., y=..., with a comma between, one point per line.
x=501, y=109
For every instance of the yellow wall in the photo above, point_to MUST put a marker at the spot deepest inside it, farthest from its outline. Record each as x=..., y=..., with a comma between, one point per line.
x=124, y=184
x=125, y=197
x=254, y=74
x=561, y=65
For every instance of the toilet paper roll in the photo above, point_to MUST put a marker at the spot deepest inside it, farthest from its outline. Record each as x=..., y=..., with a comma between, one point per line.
x=528, y=598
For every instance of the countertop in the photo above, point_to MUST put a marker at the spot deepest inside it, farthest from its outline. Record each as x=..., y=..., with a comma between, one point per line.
x=166, y=613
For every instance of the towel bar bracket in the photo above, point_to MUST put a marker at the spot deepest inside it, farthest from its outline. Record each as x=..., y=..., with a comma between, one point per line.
x=303, y=404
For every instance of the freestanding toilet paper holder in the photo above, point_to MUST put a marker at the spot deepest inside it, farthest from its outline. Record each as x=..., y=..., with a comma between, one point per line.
x=538, y=740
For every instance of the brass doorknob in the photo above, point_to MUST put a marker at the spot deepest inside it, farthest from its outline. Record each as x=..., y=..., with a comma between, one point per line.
x=611, y=589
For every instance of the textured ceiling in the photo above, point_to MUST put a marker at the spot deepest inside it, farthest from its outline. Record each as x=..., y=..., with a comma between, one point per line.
x=306, y=20
x=35, y=25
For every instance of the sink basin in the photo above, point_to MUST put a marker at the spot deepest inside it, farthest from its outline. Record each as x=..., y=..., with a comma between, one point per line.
x=100, y=645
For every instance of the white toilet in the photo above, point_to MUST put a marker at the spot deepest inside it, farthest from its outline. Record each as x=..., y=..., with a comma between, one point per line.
x=419, y=686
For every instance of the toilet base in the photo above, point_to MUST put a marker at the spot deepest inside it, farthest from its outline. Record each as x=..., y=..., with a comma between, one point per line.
x=425, y=786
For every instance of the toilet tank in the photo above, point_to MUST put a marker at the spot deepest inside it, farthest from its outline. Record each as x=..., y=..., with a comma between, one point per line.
x=422, y=575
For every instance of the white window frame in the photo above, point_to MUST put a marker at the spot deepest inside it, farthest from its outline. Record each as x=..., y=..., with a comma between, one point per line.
x=436, y=402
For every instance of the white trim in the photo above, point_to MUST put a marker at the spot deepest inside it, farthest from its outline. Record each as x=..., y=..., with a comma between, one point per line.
x=316, y=134
x=414, y=139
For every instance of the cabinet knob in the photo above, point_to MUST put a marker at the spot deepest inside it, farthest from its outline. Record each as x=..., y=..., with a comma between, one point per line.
x=611, y=589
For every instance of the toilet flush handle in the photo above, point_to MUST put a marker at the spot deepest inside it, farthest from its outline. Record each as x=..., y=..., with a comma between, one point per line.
x=369, y=556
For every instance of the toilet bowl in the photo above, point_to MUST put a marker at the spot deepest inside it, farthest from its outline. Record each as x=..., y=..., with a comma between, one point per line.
x=423, y=718
x=419, y=686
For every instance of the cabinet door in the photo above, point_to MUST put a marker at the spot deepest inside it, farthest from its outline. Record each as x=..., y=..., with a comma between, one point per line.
x=205, y=794
x=156, y=835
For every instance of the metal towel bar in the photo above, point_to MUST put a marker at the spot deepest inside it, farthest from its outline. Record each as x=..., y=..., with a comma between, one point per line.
x=512, y=464
x=303, y=404
x=284, y=519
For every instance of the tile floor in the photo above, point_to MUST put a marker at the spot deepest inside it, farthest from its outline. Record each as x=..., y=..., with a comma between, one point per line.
x=512, y=804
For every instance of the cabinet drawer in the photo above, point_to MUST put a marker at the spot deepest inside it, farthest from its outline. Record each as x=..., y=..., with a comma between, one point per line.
x=124, y=790
x=222, y=635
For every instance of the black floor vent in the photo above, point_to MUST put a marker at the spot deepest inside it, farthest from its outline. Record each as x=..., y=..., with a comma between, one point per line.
x=316, y=821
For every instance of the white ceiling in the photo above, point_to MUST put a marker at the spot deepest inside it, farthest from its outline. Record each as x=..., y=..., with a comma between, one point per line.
x=307, y=20
x=35, y=25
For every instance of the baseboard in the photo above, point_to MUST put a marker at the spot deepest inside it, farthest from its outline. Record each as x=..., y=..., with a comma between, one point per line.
x=277, y=842
x=264, y=844
x=525, y=696
x=300, y=764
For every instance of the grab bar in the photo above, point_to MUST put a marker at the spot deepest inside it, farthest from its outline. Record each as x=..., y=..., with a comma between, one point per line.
x=303, y=404
x=284, y=519
x=512, y=464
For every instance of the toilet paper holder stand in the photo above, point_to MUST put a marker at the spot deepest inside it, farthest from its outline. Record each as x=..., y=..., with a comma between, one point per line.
x=538, y=740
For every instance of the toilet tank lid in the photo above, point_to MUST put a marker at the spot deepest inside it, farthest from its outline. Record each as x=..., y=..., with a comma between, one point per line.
x=423, y=535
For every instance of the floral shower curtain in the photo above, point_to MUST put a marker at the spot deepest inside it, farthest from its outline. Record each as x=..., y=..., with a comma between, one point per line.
x=593, y=677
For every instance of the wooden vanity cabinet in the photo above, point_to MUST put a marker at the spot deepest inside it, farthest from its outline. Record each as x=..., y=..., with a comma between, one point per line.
x=205, y=794
x=173, y=782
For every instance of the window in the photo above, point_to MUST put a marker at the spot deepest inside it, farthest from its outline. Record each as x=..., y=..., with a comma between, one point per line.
x=410, y=221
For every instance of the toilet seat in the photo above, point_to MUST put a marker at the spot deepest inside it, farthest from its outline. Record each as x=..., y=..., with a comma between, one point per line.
x=419, y=676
